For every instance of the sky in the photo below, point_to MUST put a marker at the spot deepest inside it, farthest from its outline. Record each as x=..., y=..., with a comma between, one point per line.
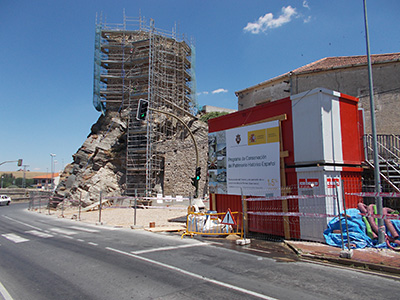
x=47, y=56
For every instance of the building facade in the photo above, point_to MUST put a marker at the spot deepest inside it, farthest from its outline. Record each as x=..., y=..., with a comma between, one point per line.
x=348, y=75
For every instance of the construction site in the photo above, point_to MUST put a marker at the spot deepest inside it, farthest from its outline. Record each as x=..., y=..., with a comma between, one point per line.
x=136, y=61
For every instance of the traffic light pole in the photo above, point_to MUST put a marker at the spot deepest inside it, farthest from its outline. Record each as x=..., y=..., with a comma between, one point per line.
x=19, y=161
x=195, y=181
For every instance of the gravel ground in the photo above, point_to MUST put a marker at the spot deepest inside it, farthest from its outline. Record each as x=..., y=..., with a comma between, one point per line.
x=124, y=217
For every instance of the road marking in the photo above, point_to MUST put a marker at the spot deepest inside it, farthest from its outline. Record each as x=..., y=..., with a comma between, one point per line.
x=168, y=248
x=39, y=234
x=5, y=293
x=258, y=250
x=93, y=244
x=37, y=228
x=201, y=277
x=63, y=231
x=14, y=238
x=80, y=240
x=84, y=229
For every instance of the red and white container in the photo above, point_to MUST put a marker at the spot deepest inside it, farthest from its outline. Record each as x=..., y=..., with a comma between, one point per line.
x=329, y=182
x=326, y=128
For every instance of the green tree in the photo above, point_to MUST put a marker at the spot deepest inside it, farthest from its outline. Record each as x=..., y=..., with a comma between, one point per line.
x=211, y=115
x=7, y=179
x=28, y=182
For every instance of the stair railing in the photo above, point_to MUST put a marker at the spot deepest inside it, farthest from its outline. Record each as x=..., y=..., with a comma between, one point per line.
x=393, y=163
x=384, y=177
x=384, y=150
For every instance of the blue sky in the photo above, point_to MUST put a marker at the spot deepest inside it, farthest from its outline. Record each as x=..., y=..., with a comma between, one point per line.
x=46, y=58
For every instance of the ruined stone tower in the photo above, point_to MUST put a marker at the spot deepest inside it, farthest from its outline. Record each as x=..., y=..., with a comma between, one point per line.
x=137, y=61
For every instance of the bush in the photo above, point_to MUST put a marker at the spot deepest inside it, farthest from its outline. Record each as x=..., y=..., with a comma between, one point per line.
x=211, y=115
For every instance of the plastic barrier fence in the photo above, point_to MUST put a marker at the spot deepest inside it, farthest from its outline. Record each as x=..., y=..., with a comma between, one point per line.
x=214, y=224
x=321, y=215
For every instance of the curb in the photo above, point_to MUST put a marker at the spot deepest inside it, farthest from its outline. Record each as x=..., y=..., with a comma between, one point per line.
x=353, y=263
x=346, y=262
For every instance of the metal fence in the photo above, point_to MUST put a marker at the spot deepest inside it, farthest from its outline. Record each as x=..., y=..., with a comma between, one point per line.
x=305, y=214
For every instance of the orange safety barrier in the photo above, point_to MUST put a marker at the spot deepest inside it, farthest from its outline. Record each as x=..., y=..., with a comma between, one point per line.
x=213, y=223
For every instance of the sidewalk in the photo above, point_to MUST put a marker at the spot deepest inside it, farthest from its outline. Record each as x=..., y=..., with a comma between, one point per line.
x=385, y=260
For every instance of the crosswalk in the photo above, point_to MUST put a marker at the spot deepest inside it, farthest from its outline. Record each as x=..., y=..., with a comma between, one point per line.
x=14, y=238
x=45, y=234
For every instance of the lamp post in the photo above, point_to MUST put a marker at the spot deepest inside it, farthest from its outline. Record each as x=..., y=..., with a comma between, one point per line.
x=52, y=170
x=378, y=188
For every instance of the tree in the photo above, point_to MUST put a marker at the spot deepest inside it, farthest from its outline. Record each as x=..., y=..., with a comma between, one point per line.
x=9, y=180
x=211, y=115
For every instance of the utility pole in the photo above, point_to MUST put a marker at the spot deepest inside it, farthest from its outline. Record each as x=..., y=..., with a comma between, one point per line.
x=52, y=171
x=378, y=188
x=24, y=178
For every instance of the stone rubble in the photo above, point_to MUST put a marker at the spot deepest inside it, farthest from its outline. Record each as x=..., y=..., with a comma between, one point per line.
x=99, y=164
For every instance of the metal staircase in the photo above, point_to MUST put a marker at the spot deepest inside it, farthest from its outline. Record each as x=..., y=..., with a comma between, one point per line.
x=389, y=160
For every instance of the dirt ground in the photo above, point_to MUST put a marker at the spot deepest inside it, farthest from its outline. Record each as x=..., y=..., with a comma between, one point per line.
x=147, y=218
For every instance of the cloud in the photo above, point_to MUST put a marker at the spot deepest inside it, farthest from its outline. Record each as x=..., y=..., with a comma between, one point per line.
x=305, y=4
x=219, y=91
x=307, y=20
x=269, y=22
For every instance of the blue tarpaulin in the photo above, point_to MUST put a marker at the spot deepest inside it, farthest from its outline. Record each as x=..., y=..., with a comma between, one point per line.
x=357, y=231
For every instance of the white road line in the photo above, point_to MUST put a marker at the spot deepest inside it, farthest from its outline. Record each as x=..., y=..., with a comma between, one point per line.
x=15, y=238
x=80, y=240
x=5, y=293
x=258, y=250
x=39, y=234
x=168, y=248
x=93, y=244
x=84, y=229
x=220, y=283
x=63, y=231
x=37, y=228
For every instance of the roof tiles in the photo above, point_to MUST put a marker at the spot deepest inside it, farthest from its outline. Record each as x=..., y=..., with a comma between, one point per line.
x=328, y=63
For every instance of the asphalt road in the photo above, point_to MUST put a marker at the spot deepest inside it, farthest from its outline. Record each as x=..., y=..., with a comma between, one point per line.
x=43, y=257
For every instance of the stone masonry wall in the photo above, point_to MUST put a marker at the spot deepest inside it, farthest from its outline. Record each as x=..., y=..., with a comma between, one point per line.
x=99, y=164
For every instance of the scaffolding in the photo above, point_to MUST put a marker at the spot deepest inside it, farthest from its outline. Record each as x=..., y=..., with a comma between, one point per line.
x=137, y=61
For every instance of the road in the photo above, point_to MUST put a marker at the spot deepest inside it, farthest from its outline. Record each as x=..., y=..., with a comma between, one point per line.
x=43, y=257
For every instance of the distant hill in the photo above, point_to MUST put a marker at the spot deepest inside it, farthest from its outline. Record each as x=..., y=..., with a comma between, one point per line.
x=20, y=174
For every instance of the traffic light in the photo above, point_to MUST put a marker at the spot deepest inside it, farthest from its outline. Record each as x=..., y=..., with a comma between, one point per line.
x=198, y=173
x=142, y=109
x=19, y=162
x=196, y=178
x=195, y=181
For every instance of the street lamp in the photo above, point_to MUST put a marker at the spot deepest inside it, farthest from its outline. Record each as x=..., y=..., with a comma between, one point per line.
x=52, y=170
x=377, y=176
